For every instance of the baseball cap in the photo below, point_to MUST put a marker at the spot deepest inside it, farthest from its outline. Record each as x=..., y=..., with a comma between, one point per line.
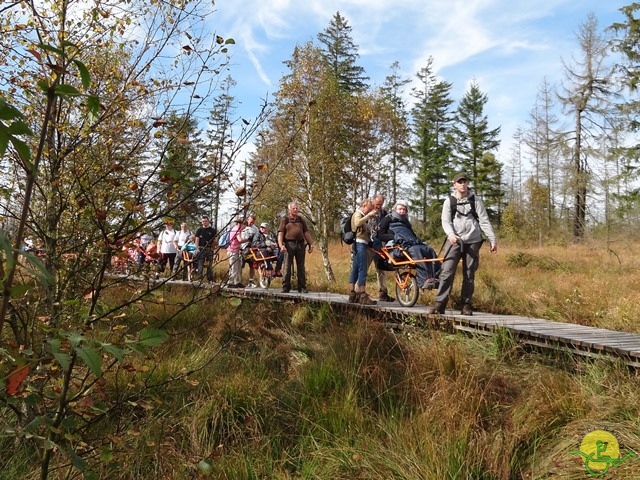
x=460, y=176
x=264, y=224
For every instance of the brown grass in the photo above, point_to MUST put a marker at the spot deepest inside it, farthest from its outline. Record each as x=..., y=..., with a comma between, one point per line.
x=592, y=283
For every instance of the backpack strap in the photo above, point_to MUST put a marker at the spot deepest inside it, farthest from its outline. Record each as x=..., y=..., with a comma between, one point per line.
x=453, y=201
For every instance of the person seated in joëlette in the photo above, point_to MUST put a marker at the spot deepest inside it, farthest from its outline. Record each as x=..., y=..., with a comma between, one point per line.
x=396, y=227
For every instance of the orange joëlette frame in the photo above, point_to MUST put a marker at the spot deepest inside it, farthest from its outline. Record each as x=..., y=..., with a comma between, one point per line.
x=405, y=260
x=257, y=255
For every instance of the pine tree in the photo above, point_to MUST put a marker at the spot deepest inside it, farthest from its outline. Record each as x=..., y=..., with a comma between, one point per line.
x=472, y=137
x=218, y=161
x=341, y=54
x=431, y=150
x=398, y=148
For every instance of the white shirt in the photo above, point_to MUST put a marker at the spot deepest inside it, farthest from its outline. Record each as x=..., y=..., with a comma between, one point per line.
x=182, y=237
x=165, y=239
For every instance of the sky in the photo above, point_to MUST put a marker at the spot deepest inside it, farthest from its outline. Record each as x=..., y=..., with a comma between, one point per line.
x=507, y=47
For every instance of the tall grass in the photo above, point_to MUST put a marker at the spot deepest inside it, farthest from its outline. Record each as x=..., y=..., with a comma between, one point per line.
x=262, y=390
x=594, y=284
x=345, y=398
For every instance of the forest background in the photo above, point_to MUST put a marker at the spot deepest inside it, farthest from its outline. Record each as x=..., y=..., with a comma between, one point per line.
x=115, y=116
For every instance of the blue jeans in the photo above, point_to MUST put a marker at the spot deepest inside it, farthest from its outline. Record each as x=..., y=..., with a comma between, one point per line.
x=360, y=262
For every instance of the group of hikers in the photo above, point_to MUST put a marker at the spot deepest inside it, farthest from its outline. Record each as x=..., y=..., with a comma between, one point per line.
x=464, y=220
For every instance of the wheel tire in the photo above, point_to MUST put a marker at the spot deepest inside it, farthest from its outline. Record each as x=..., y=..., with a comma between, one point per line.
x=265, y=278
x=407, y=297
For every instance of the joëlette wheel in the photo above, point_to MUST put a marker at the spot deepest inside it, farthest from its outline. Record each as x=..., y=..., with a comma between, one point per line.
x=408, y=295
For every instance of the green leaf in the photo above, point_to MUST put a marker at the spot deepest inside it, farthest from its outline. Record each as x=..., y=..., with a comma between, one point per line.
x=50, y=48
x=37, y=268
x=93, y=103
x=19, y=290
x=78, y=461
x=64, y=359
x=152, y=337
x=54, y=344
x=75, y=339
x=84, y=74
x=23, y=150
x=4, y=142
x=117, y=352
x=43, y=84
x=6, y=251
x=235, y=301
x=106, y=454
x=67, y=91
x=19, y=128
x=9, y=112
x=33, y=425
x=229, y=41
x=48, y=444
x=91, y=358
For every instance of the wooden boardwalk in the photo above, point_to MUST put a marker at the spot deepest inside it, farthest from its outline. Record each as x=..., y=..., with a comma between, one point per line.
x=579, y=339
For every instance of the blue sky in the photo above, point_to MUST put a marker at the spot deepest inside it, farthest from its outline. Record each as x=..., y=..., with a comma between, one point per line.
x=506, y=46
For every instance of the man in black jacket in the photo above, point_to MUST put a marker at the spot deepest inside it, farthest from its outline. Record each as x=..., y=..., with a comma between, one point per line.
x=205, y=240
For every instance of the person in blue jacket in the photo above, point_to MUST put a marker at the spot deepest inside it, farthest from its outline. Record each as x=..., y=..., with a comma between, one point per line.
x=397, y=227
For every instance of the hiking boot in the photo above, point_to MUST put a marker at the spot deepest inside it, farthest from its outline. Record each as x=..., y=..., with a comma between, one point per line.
x=385, y=297
x=252, y=283
x=467, y=310
x=286, y=290
x=278, y=273
x=303, y=290
x=364, y=299
x=353, y=297
x=438, y=307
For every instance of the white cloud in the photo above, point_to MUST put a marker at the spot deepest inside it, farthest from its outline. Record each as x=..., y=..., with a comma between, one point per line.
x=507, y=46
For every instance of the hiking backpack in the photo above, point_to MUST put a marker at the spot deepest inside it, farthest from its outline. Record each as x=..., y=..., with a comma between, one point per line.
x=453, y=201
x=347, y=235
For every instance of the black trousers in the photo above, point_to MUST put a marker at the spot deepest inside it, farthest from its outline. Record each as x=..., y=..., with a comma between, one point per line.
x=295, y=251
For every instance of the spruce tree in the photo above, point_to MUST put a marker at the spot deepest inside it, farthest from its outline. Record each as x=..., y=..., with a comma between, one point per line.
x=473, y=138
x=431, y=150
x=341, y=54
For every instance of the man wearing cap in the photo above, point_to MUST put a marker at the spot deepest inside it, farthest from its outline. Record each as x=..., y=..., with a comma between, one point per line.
x=268, y=244
x=464, y=220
